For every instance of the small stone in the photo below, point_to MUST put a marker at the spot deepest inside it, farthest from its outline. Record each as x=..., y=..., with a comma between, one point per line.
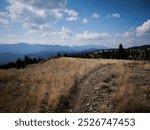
x=94, y=104
x=91, y=109
x=96, y=88
x=88, y=104
x=70, y=110
x=93, y=98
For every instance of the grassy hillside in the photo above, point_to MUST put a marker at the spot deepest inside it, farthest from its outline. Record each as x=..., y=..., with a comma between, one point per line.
x=70, y=84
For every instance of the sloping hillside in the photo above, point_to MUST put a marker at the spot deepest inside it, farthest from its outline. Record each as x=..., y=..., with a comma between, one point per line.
x=77, y=85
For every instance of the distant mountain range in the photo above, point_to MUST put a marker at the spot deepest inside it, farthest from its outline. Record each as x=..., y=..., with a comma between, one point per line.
x=10, y=52
x=140, y=47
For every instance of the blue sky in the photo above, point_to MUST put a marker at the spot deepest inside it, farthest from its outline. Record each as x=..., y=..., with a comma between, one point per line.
x=75, y=22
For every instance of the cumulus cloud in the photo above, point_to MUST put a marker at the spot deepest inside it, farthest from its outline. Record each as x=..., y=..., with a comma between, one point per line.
x=93, y=36
x=143, y=29
x=35, y=9
x=33, y=27
x=85, y=21
x=34, y=13
x=56, y=14
x=64, y=33
x=114, y=15
x=95, y=15
x=37, y=15
x=72, y=15
x=4, y=19
x=39, y=4
x=128, y=34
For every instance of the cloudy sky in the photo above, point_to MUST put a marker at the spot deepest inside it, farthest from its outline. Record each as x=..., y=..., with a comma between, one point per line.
x=75, y=22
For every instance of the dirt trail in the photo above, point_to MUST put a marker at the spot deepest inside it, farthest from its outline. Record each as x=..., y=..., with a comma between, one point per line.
x=95, y=92
x=44, y=104
x=92, y=91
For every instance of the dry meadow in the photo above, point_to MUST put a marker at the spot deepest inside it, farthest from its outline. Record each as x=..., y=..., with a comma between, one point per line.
x=77, y=85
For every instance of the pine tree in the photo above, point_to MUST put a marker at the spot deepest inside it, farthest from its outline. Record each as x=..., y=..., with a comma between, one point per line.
x=121, y=52
x=20, y=63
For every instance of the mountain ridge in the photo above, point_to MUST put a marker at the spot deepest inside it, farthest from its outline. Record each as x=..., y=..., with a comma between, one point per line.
x=19, y=50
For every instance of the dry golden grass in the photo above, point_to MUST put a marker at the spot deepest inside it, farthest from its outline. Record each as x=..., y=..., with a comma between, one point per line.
x=29, y=89
x=133, y=90
x=23, y=90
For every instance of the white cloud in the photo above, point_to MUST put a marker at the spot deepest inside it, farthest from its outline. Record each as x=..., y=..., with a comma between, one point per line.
x=71, y=19
x=143, y=29
x=34, y=13
x=85, y=21
x=33, y=27
x=95, y=15
x=57, y=14
x=126, y=34
x=4, y=19
x=92, y=36
x=64, y=33
x=72, y=15
x=114, y=15
x=39, y=4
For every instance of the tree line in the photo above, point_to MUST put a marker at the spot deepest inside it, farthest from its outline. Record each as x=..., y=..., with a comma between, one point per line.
x=21, y=63
x=120, y=53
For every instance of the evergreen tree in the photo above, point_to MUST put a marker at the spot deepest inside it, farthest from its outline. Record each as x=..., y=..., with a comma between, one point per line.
x=121, y=52
x=28, y=60
x=20, y=63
